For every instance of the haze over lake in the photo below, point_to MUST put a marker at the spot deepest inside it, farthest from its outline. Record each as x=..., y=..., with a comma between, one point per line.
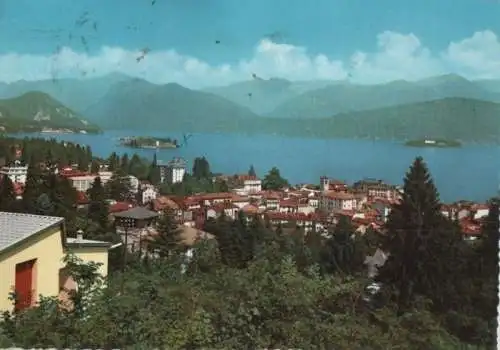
x=471, y=172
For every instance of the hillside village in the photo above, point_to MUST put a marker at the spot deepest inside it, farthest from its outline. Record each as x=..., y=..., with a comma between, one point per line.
x=133, y=222
x=366, y=203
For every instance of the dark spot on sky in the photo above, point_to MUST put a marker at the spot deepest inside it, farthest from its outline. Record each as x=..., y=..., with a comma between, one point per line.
x=84, y=43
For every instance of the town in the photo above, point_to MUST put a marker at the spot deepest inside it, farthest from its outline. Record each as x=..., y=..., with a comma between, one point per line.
x=367, y=203
x=63, y=210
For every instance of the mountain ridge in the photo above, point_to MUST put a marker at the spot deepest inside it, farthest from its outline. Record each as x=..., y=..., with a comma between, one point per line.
x=35, y=111
x=136, y=103
x=335, y=99
x=466, y=120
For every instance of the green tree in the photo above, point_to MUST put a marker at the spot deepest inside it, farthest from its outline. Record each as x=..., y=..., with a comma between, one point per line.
x=32, y=189
x=168, y=240
x=274, y=181
x=221, y=186
x=62, y=196
x=118, y=187
x=124, y=163
x=113, y=162
x=154, y=175
x=7, y=195
x=137, y=167
x=201, y=168
x=251, y=171
x=339, y=247
x=95, y=167
x=98, y=210
x=422, y=243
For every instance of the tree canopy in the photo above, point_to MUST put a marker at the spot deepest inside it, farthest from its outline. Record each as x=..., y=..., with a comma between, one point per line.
x=273, y=180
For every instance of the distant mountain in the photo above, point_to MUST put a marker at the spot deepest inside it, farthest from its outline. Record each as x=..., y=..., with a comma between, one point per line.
x=140, y=104
x=345, y=98
x=77, y=94
x=462, y=119
x=263, y=96
x=492, y=85
x=34, y=111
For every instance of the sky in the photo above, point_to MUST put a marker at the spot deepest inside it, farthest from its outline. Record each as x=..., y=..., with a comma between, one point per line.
x=363, y=41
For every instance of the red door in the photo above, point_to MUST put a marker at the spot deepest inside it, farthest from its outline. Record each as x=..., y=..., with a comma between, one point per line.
x=24, y=284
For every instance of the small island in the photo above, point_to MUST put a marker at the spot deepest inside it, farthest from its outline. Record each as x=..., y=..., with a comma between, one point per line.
x=438, y=143
x=149, y=142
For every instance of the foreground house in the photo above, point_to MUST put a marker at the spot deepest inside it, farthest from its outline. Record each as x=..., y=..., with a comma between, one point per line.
x=32, y=248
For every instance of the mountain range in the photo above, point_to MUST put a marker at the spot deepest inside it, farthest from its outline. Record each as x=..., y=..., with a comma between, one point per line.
x=396, y=110
x=35, y=111
x=343, y=98
x=139, y=104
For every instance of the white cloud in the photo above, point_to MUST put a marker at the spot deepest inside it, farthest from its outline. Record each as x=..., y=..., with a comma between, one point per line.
x=398, y=56
x=477, y=56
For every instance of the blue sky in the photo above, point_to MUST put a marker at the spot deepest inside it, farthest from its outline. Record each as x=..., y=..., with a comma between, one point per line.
x=335, y=29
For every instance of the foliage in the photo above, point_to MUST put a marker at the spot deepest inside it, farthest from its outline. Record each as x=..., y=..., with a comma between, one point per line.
x=255, y=286
x=251, y=171
x=7, y=194
x=191, y=185
x=168, y=240
x=273, y=180
x=118, y=187
x=154, y=175
x=201, y=168
x=98, y=209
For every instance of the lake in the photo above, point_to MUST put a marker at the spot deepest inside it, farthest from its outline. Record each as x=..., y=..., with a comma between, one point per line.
x=471, y=172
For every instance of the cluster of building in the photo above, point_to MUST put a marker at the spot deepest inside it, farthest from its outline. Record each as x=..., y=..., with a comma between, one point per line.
x=367, y=203
x=32, y=246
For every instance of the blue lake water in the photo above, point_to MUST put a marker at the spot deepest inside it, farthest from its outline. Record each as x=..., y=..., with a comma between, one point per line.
x=471, y=172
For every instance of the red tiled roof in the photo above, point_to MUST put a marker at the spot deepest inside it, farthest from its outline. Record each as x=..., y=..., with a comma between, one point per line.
x=245, y=177
x=480, y=206
x=219, y=207
x=119, y=206
x=163, y=202
x=68, y=172
x=339, y=195
x=470, y=228
x=213, y=196
x=240, y=199
x=346, y=212
x=270, y=195
x=273, y=215
x=250, y=209
x=81, y=198
x=288, y=203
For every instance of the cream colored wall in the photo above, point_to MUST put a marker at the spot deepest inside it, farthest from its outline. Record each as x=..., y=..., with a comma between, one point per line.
x=95, y=254
x=47, y=249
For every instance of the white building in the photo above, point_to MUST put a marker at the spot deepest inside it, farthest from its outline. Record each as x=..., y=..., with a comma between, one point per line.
x=82, y=182
x=105, y=176
x=172, y=172
x=148, y=194
x=16, y=172
x=134, y=183
x=333, y=200
x=252, y=186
